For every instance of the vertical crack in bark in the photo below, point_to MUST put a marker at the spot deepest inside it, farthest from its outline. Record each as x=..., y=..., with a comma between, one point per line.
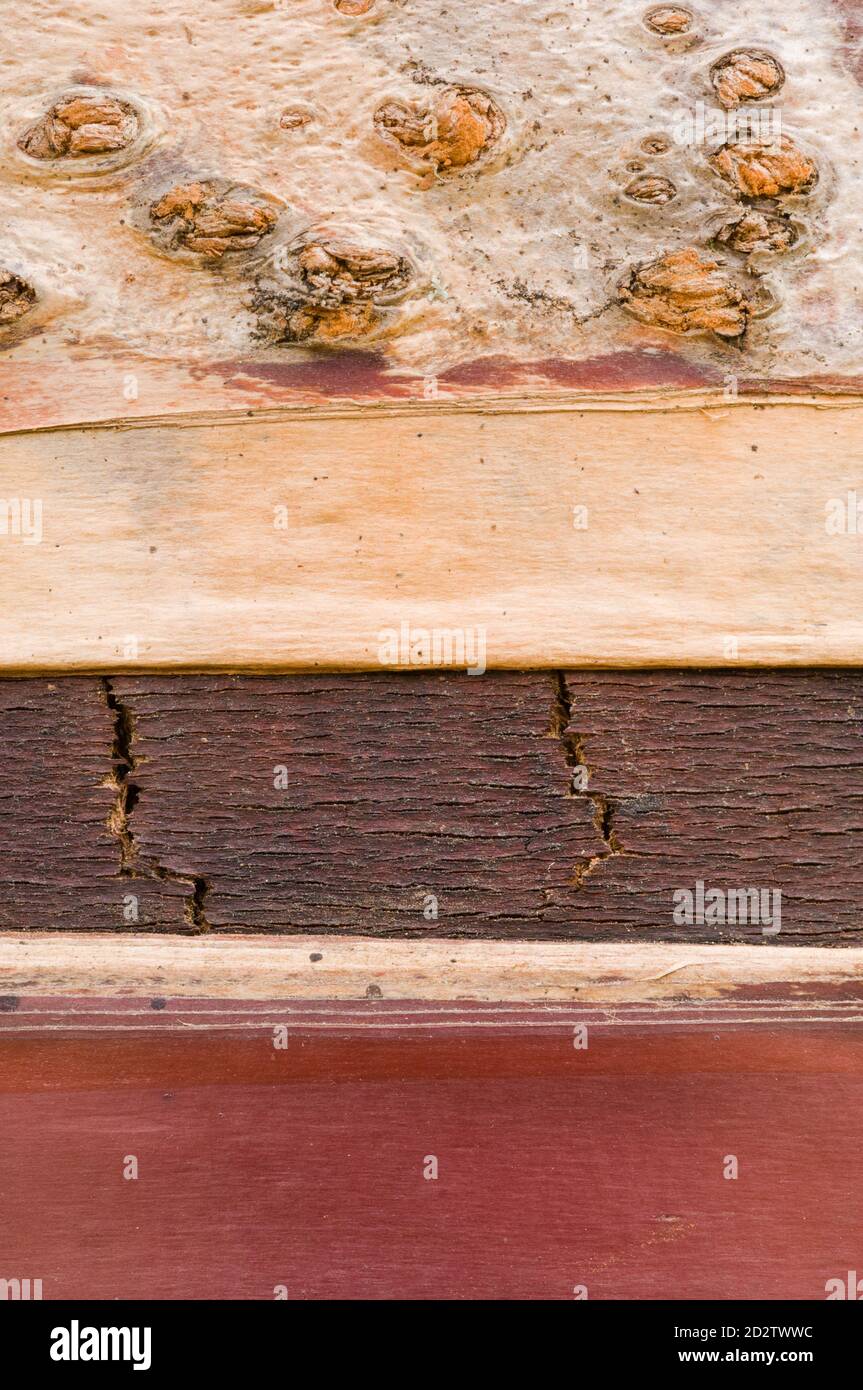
x=576, y=758
x=124, y=764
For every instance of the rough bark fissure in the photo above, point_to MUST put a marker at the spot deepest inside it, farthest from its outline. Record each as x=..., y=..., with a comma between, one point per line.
x=576, y=757
x=124, y=763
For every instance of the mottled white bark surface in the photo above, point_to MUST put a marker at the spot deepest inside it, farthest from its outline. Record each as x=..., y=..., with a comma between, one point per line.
x=516, y=253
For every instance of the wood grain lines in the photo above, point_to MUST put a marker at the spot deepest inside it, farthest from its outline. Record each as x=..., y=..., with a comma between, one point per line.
x=436, y=537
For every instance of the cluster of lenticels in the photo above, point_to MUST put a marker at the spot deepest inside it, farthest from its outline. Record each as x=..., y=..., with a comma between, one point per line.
x=331, y=286
x=687, y=291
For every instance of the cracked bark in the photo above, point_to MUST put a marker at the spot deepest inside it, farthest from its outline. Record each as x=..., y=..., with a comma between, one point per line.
x=132, y=864
x=438, y=786
x=576, y=758
x=404, y=786
x=58, y=859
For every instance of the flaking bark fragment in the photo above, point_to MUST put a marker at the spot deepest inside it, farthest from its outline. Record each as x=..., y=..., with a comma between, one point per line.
x=211, y=218
x=337, y=270
x=669, y=19
x=648, y=188
x=458, y=128
x=334, y=287
x=16, y=297
x=81, y=125
x=746, y=76
x=686, y=292
x=295, y=118
x=656, y=144
x=316, y=323
x=765, y=168
x=754, y=231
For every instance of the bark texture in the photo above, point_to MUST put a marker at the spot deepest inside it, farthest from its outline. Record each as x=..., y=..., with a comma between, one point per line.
x=540, y=805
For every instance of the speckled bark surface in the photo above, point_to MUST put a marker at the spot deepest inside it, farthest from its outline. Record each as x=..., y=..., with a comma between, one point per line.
x=523, y=163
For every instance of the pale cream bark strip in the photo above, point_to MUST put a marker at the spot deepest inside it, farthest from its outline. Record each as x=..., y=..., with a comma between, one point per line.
x=328, y=967
x=713, y=536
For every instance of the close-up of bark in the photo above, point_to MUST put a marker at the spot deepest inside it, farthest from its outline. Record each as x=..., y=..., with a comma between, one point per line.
x=522, y=171
x=431, y=671
x=211, y=219
x=79, y=125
